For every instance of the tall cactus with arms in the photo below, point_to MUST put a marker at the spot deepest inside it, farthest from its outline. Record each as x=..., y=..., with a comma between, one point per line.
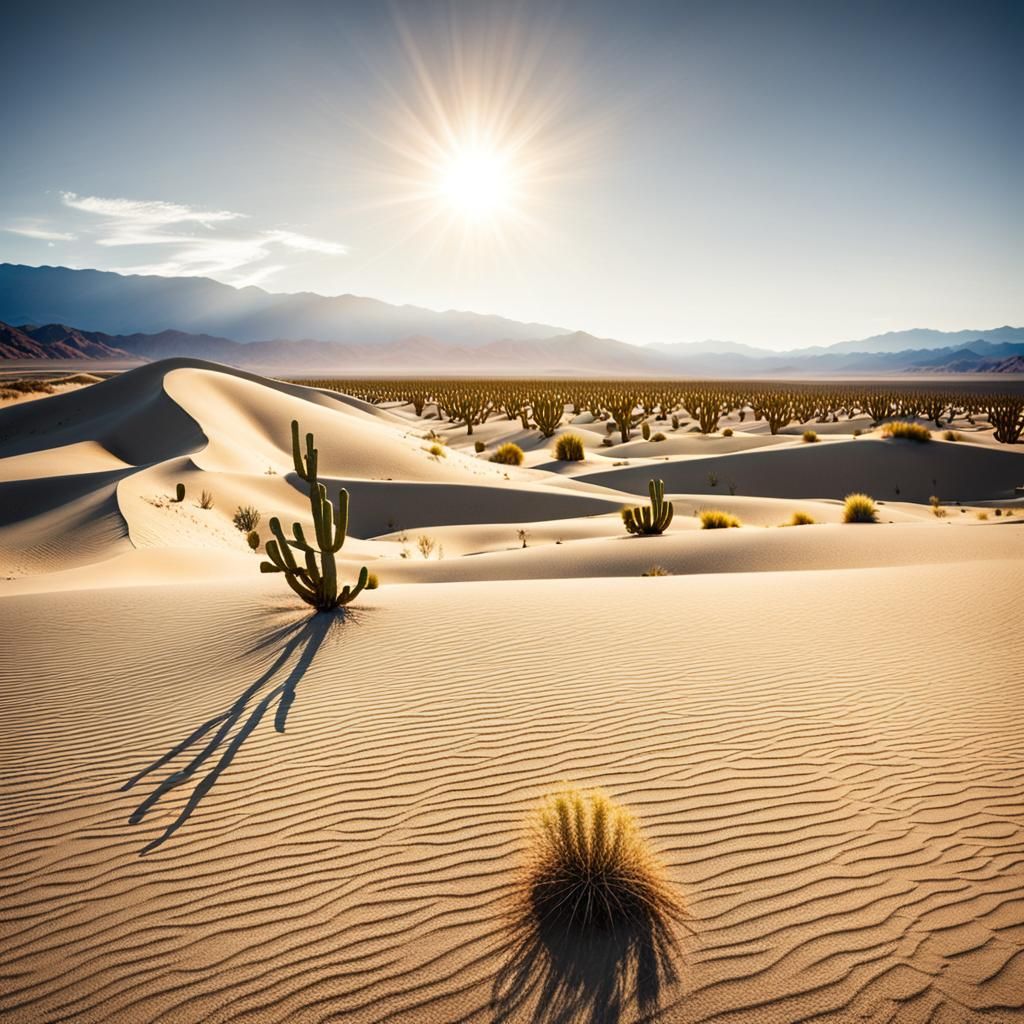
x=315, y=584
x=651, y=520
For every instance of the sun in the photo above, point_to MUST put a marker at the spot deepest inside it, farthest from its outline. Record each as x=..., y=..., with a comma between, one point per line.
x=477, y=182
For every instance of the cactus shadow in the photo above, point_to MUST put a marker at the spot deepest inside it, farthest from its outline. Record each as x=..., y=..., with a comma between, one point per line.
x=214, y=744
x=562, y=977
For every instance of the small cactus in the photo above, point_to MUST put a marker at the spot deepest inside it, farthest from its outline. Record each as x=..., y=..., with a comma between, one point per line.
x=654, y=519
x=253, y=540
x=179, y=493
x=645, y=430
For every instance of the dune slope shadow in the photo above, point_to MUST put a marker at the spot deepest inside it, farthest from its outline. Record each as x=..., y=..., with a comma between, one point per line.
x=555, y=975
x=216, y=742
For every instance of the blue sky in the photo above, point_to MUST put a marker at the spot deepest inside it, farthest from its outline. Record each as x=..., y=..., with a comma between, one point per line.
x=773, y=173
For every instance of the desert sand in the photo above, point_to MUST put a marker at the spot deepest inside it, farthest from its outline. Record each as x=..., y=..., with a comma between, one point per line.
x=818, y=728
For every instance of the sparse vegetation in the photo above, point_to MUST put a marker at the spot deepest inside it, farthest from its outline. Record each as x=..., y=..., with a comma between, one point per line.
x=437, y=451
x=569, y=448
x=937, y=509
x=715, y=519
x=801, y=519
x=508, y=454
x=252, y=538
x=727, y=432
x=179, y=493
x=588, y=867
x=952, y=435
x=656, y=570
x=982, y=515
x=246, y=518
x=426, y=544
x=206, y=500
x=652, y=519
x=860, y=508
x=317, y=585
x=479, y=446
x=907, y=431
x=522, y=535
x=372, y=581
x=810, y=437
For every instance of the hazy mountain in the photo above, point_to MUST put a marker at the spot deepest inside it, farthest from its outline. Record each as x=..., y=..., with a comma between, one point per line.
x=118, y=304
x=311, y=333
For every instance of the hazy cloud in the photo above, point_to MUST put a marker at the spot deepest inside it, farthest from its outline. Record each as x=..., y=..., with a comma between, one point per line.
x=203, y=242
x=42, y=234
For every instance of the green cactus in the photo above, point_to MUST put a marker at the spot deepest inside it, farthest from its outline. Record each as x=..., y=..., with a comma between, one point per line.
x=252, y=538
x=179, y=493
x=645, y=430
x=317, y=585
x=653, y=519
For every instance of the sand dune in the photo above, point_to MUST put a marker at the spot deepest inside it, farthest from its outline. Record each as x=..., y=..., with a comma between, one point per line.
x=816, y=726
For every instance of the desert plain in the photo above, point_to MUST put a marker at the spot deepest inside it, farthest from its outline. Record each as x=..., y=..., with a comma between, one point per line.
x=817, y=728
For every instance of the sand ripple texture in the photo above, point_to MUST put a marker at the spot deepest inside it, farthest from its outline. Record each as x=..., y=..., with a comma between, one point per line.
x=831, y=765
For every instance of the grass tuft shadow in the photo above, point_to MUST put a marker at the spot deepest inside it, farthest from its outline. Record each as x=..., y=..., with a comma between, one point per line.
x=216, y=742
x=563, y=975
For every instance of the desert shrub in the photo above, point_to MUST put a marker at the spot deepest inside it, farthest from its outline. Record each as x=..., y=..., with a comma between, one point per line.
x=589, y=867
x=206, y=499
x=479, y=446
x=252, y=538
x=658, y=436
x=983, y=515
x=860, y=508
x=569, y=448
x=426, y=545
x=437, y=451
x=937, y=509
x=907, y=431
x=810, y=437
x=246, y=519
x=857, y=432
x=656, y=570
x=801, y=519
x=999, y=511
x=952, y=435
x=727, y=432
x=645, y=430
x=508, y=454
x=372, y=581
x=713, y=519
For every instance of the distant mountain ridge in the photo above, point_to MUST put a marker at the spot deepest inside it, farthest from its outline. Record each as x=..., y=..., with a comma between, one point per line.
x=562, y=355
x=313, y=333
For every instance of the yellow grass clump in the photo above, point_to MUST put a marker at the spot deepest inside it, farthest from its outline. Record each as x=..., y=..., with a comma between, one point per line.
x=569, y=448
x=510, y=454
x=713, y=519
x=907, y=431
x=801, y=519
x=589, y=867
x=860, y=508
x=810, y=437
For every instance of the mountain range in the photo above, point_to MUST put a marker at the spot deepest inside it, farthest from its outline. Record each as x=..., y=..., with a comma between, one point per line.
x=132, y=318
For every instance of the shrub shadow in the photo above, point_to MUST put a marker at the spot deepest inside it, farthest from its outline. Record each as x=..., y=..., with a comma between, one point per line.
x=216, y=742
x=558, y=975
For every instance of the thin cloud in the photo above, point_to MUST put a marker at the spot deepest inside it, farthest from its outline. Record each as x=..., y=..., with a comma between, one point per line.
x=42, y=235
x=218, y=250
x=143, y=211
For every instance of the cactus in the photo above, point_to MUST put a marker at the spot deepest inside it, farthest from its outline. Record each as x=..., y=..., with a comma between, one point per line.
x=645, y=430
x=317, y=585
x=179, y=493
x=252, y=538
x=653, y=519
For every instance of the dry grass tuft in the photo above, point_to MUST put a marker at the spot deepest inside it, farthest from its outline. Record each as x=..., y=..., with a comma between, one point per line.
x=800, y=519
x=509, y=454
x=656, y=570
x=860, y=508
x=952, y=435
x=907, y=431
x=589, y=867
x=713, y=519
x=569, y=448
